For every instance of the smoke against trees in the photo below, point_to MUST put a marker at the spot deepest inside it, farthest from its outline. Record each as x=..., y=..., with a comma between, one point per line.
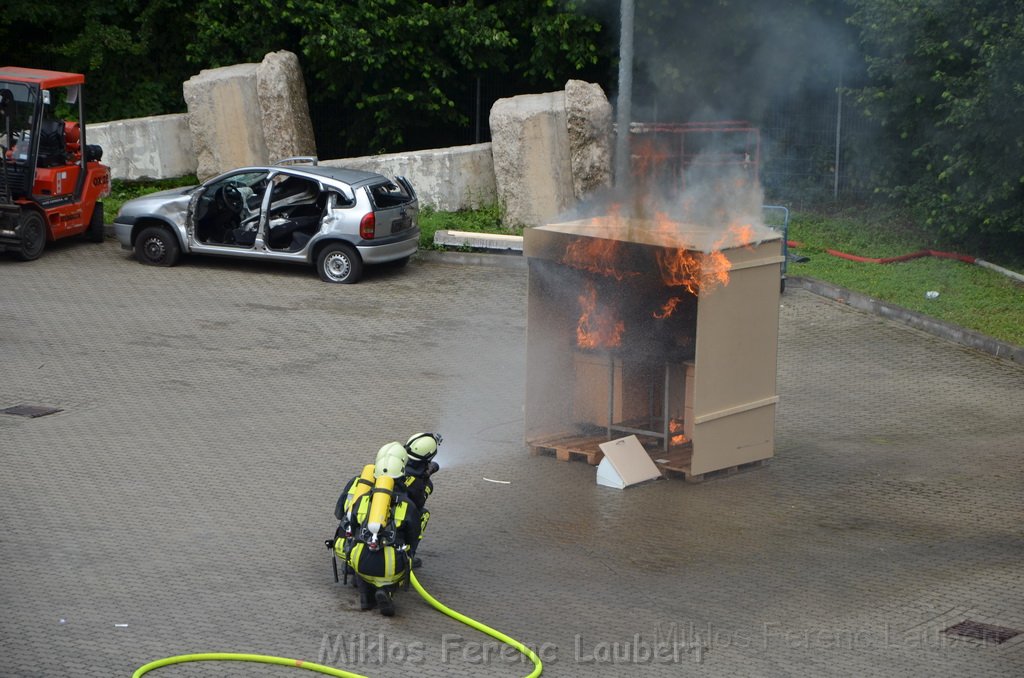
x=700, y=61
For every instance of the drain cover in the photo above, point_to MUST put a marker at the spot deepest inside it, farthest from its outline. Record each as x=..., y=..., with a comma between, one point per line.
x=979, y=631
x=31, y=410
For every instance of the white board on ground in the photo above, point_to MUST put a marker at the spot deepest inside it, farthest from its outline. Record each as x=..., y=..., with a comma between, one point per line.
x=625, y=463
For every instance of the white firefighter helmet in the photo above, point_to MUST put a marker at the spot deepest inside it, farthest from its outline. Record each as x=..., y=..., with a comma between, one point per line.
x=423, y=446
x=391, y=460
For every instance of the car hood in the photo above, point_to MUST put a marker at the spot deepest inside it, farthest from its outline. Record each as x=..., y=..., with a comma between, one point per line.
x=173, y=200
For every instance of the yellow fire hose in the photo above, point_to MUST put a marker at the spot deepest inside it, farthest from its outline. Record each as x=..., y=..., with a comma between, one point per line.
x=320, y=668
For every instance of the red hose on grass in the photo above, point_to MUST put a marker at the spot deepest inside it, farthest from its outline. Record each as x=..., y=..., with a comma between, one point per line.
x=917, y=255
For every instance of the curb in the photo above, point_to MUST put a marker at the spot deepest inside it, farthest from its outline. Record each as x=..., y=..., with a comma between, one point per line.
x=862, y=302
x=933, y=326
x=513, y=259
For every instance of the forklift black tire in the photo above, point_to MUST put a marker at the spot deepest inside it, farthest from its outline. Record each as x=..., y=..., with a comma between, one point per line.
x=95, y=232
x=157, y=246
x=33, y=236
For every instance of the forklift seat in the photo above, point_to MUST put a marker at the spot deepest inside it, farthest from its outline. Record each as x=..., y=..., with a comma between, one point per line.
x=52, y=147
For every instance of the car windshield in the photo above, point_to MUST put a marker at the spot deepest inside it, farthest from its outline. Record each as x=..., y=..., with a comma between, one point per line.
x=247, y=179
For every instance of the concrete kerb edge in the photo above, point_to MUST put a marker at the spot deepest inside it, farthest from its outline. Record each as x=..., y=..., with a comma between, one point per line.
x=938, y=328
x=509, y=259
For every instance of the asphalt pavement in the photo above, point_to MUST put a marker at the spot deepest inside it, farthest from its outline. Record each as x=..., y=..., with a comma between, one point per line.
x=210, y=413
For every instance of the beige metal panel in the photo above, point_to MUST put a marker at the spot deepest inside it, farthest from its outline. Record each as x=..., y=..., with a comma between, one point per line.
x=735, y=363
x=737, y=339
x=733, y=441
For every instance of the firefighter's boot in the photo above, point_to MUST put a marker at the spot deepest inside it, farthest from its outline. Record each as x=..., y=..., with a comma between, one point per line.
x=384, y=603
x=366, y=597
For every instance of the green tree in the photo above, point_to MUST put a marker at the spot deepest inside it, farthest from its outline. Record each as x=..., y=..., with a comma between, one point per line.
x=131, y=52
x=947, y=84
x=386, y=72
x=393, y=69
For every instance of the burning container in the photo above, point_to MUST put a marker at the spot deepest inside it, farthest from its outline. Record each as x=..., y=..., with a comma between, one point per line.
x=657, y=328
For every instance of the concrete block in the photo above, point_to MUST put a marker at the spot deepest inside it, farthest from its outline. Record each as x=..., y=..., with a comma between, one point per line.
x=248, y=114
x=479, y=241
x=532, y=168
x=156, y=147
x=589, y=120
x=225, y=119
x=447, y=179
x=284, y=110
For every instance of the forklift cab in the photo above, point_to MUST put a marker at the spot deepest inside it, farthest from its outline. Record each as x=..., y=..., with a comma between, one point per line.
x=51, y=181
x=34, y=137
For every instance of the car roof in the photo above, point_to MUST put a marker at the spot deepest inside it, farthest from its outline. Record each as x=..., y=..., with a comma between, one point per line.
x=349, y=176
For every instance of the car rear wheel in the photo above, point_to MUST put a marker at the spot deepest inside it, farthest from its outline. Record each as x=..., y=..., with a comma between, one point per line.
x=33, y=236
x=156, y=246
x=339, y=263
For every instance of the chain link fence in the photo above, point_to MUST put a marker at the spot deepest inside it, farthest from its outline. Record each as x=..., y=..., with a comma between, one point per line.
x=818, y=151
x=814, y=151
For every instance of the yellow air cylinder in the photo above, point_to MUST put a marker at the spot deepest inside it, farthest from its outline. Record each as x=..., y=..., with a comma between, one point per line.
x=383, y=491
x=363, y=485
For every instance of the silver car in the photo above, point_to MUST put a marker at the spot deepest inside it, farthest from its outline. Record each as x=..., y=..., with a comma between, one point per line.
x=336, y=219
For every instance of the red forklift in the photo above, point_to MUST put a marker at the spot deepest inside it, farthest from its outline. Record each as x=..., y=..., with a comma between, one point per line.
x=51, y=181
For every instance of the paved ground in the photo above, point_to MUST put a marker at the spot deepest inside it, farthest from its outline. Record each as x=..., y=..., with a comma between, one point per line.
x=211, y=412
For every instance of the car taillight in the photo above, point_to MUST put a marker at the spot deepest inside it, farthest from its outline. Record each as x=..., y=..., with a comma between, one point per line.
x=367, y=225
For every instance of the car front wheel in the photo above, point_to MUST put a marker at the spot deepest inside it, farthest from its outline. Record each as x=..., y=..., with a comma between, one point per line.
x=156, y=246
x=339, y=263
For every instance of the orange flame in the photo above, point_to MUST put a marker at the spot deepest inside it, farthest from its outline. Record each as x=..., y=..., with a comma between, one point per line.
x=595, y=255
x=597, y=327
x=692, y=271
x=668, y=308
x=676, y=426
x=741, y=234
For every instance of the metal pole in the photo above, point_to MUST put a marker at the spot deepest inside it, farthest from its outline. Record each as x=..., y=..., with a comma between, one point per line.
x=839, y=128
x=477, y=116
x=625, y=98
x=611, y=393
x=666, y=405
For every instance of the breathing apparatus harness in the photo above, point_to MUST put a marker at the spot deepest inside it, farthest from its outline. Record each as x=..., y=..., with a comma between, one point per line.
x=368, y=517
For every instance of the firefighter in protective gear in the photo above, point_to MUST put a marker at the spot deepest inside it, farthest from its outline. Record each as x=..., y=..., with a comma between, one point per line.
x=421, y=448
x=385, y=531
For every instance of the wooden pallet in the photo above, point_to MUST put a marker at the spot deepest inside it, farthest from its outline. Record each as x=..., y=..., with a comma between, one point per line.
x=675, y=460
x=673, y=463
x=570, y=447
x=576, y=446
x=710, y=475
